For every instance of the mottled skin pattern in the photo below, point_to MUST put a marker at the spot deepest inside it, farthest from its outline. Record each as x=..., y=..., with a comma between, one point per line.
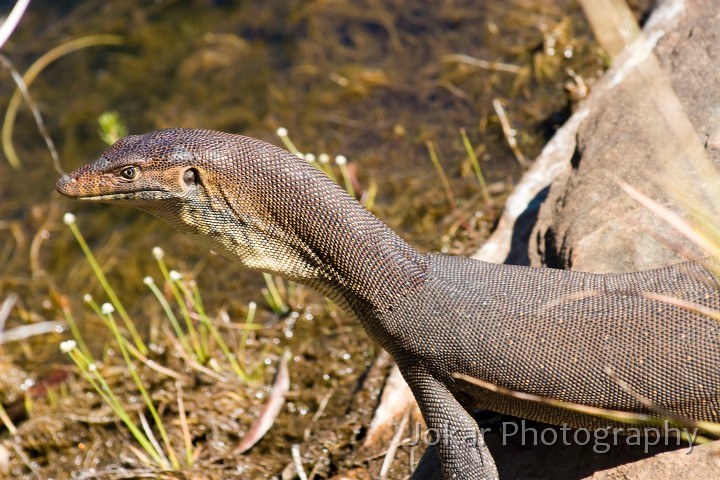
x=541, y=331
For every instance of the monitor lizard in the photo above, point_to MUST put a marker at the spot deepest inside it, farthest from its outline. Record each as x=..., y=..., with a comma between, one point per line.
x=542, y=331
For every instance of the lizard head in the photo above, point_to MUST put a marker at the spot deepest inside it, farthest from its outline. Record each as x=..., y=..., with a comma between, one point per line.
x=221, y=189
x=138, y=170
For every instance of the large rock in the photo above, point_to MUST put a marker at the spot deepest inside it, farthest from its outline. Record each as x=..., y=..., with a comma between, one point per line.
x=653, y=123
x=654, y=126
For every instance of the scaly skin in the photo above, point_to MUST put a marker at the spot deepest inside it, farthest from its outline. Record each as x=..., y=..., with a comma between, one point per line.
x=541, y=331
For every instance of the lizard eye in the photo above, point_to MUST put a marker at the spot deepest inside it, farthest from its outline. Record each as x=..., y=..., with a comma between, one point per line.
x=129, y=173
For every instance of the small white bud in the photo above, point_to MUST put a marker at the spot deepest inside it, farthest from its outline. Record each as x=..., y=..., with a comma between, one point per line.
x=281, y=132
x=340, y=160
x=107, y=308
x=27, y=384
x=69, y=218
x=175, y=276
x=68, y=346
x=324, y=158
x=148, y=280
x=300, y=155
x=158, y=253
x=92, y=367
x=87, y=298
x=309, y=157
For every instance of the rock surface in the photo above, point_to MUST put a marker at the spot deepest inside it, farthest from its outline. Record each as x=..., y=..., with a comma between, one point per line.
x=640, y=131
x=702, y=462
x=653, y=124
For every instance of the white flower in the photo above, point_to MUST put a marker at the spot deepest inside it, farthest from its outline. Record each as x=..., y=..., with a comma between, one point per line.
x=87, y=298
x=281, y=132
x=175, y=276
x=158, y=253
x=324, y=158
x=69, y=218
x=340, y=160
x=107, y=308
x=68, y=346
x=309, y=157
x=148, y=280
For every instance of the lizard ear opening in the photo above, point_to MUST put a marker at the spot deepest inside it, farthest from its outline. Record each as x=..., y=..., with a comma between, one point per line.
x=191, y=178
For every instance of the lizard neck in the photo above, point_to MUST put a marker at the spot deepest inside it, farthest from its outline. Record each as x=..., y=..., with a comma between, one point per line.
x=366, y=267
x=283, y=216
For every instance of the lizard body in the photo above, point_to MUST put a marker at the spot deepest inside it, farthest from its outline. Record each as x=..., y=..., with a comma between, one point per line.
x=547, y=332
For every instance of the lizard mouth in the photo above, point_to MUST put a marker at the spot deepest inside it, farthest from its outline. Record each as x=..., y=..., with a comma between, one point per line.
x=114, y=197
x=72, y=188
